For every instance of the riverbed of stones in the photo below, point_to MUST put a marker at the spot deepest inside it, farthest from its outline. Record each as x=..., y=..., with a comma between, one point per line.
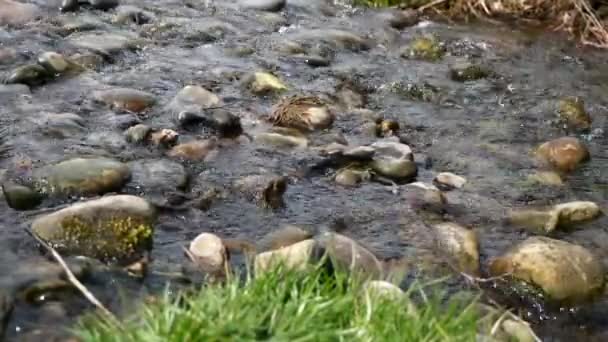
x=108, y=147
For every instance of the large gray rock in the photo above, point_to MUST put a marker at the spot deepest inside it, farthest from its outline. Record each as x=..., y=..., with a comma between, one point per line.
x=110, y=228
x=564, y=271
x=82, y=176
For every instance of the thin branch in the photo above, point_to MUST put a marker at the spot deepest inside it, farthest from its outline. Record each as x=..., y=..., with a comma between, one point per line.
x=72, y=278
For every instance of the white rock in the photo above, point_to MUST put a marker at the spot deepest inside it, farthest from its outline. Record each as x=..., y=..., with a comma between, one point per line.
x=209, y=251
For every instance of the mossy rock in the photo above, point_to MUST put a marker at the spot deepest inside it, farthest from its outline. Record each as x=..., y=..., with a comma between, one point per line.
x=571, y=111
x=110, y=228
x=82, y=177
x=427, y=48
x=463, y=72
x=424, y=92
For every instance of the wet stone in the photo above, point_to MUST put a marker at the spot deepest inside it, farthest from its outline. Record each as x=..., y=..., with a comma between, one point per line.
x=209, y=253
x=264, y=5
x=193, y=98
x=82, y=176
x=266, y=190
x=400, y=19
x=106, y=43
x=103, y=4
x=131, y=100
x=20, y=197
x=110, y=228
x=349, y=255
x=157, y=175
x=565, y=154
x=132, y=15
x=284, y=237
x=564, y=271
x=31, y=75
x=196, y=150
x=7, y=55
x=16, y=13
x=460, y=245
x=571, y=111
x=63, y=126
x=464, y=71
x=426, y=48
x=297, y=256
x=263, y=83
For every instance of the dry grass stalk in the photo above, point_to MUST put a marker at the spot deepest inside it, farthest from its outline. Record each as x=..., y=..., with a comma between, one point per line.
x=576, y=17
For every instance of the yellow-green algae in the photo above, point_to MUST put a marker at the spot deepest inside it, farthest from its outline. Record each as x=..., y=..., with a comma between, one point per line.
x=425, y=48
x=115, y=237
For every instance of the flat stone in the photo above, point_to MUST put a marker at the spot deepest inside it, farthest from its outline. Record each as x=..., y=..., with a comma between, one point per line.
x=63, y=125
x=125, y=99
x=105, y=44
x=110, y=228
x=264, y=5
x=16, y=13
x=82, y=176
x=196, y=150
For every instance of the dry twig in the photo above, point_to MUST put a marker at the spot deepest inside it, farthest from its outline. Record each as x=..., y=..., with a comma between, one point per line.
x=72, y=278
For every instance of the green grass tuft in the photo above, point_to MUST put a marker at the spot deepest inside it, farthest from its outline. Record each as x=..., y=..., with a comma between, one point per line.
x=289, y=306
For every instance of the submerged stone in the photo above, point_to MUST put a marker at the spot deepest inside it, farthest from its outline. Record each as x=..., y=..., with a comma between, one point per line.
x=125, y=99
x=564, y=271
x=16, y=13
x=196, y=150
x=571, y=111
x=264, y=5
x=21, y=197
x=31, y=75
x=265, y=190
x=193, y=98
x=426, y=48
x=263, y=83
x=82, y=177
x=565, y=154
x=463, y=72
x=114, y=227
x=105, y=44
